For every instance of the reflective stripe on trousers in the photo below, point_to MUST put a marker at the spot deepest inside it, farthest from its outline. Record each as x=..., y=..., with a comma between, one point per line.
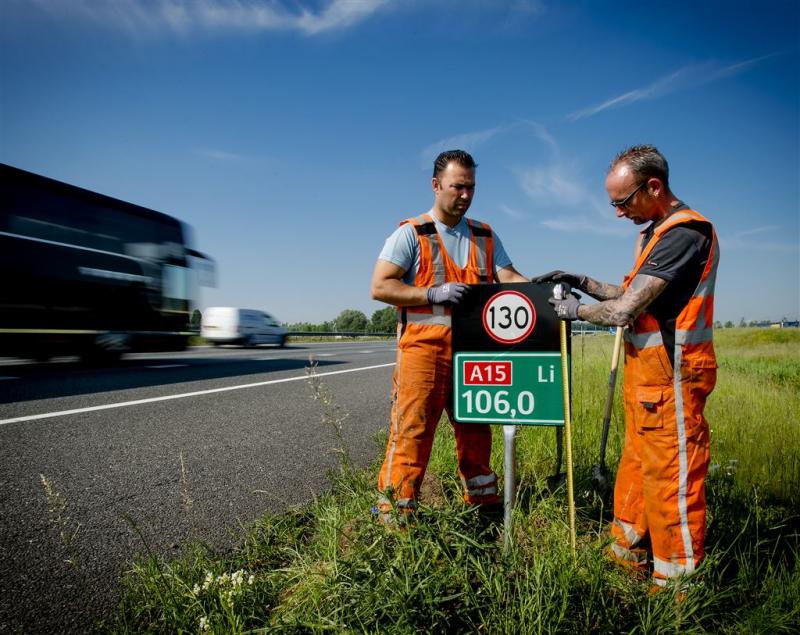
x=481, y=485
x=422, y=392
x=660, y=486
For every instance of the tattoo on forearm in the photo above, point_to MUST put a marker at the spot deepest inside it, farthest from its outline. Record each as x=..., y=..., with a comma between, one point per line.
x=601, y=290
x=623, y=310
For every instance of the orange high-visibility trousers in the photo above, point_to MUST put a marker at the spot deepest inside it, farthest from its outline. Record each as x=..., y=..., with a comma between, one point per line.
x=422, y=391
x=660, y=486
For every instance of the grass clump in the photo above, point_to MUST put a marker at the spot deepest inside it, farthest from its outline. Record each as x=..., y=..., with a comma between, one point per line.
x=330, y=567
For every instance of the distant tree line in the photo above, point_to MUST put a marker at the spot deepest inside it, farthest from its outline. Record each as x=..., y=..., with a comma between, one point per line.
x=352, y=321
x=753, y=323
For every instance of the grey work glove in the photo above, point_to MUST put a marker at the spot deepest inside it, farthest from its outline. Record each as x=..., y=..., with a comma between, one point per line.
x=572, y=279
x=566, y=309
x=448, y=292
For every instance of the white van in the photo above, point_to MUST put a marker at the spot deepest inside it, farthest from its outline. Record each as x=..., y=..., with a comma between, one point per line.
x=246, y=327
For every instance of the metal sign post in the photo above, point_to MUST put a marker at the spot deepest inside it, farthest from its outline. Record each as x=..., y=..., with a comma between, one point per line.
x=506, y=367
x=510, y=488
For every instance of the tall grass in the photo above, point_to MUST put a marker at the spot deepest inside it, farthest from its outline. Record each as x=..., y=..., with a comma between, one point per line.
x=329, y=567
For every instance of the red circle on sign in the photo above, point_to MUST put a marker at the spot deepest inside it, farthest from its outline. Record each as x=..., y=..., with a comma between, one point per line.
x=495, y=324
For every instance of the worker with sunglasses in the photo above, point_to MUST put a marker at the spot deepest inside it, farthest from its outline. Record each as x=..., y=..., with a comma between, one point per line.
x=667, y=303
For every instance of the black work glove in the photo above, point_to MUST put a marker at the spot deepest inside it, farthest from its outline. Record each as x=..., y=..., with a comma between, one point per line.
x=448, y=292
x=572, y=279
x=566, y=309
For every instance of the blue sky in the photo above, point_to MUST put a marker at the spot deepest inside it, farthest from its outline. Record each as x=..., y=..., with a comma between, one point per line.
x=294, y=135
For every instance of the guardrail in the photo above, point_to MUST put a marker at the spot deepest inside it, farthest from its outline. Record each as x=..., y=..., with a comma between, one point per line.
x=338, y=334
x=578, y=328
x=587, y=328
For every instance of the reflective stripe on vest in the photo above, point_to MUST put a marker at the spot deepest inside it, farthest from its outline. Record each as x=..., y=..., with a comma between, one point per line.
x=432, y=269
x=641, y=341
x=481, y=234
x=427, y=318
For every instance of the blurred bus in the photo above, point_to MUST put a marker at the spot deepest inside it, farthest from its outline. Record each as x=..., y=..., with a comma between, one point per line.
x=87, y=274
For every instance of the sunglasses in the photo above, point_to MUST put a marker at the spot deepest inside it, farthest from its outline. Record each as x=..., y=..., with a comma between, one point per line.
x=624, y=202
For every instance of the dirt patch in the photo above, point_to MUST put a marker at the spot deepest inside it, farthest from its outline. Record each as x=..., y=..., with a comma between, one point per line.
x=432, y=492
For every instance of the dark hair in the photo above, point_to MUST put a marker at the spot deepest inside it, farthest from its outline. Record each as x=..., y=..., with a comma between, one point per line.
x=645, y=161
x=464, y=159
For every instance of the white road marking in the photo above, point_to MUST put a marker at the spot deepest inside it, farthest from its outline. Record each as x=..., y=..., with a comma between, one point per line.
x=168, y=366
x=366, y=352
x=136, y=402
x=4, y=378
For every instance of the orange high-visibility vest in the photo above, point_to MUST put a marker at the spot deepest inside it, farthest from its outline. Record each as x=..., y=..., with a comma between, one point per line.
x=437, y=267
x=694, y=344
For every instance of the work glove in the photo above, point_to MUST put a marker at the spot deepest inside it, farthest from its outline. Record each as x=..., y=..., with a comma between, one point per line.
x=572, y=279
x=566, y=309
x=448, y=292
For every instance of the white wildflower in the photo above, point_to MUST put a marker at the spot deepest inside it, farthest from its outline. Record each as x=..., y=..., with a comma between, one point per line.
x=251, y=579
x=204, y=625
x=196, y=589
x=237, y=578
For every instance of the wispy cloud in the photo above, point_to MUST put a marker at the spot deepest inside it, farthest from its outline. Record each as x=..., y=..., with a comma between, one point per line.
x=553, y=186
x=186, y=16
x=469, y=141
x=743, y=240
x=220, y=155
x=556, y=184
x=534, y=7
x=553, y=183
x=690, y=76
x=512, y=212
x=585, y=224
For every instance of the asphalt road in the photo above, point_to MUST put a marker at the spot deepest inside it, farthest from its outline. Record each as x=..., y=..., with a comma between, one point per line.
x=243, y=421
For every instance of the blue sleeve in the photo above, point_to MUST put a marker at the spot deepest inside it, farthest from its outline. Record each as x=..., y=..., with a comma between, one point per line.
x=501, y=259
x=401, y=248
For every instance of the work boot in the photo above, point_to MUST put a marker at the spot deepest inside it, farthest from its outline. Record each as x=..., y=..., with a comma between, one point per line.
x=397, y=518
x=634, y=561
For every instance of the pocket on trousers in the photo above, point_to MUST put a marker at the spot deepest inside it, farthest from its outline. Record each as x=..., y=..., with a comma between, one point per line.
x=649, y=408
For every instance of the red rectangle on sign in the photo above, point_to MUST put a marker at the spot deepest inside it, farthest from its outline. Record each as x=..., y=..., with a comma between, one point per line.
x=487, y=373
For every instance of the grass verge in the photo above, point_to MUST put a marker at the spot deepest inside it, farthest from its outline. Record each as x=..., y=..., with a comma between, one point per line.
x=329, y=567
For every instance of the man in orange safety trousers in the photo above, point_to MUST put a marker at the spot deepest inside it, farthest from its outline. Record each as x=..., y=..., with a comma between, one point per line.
x=423, y=269
x=667, y=302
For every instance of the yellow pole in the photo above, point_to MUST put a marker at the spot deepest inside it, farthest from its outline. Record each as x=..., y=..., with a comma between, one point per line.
x=568, y=436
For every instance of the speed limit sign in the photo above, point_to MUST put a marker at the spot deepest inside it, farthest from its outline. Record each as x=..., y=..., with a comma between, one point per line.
x=509, y=317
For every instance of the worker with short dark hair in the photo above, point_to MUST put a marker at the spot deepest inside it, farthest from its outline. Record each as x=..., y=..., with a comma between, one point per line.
x=667, y=302
x=424, y=268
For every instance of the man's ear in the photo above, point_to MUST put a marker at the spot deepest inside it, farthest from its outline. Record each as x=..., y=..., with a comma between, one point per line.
x=435, y=184
x=654, y=186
